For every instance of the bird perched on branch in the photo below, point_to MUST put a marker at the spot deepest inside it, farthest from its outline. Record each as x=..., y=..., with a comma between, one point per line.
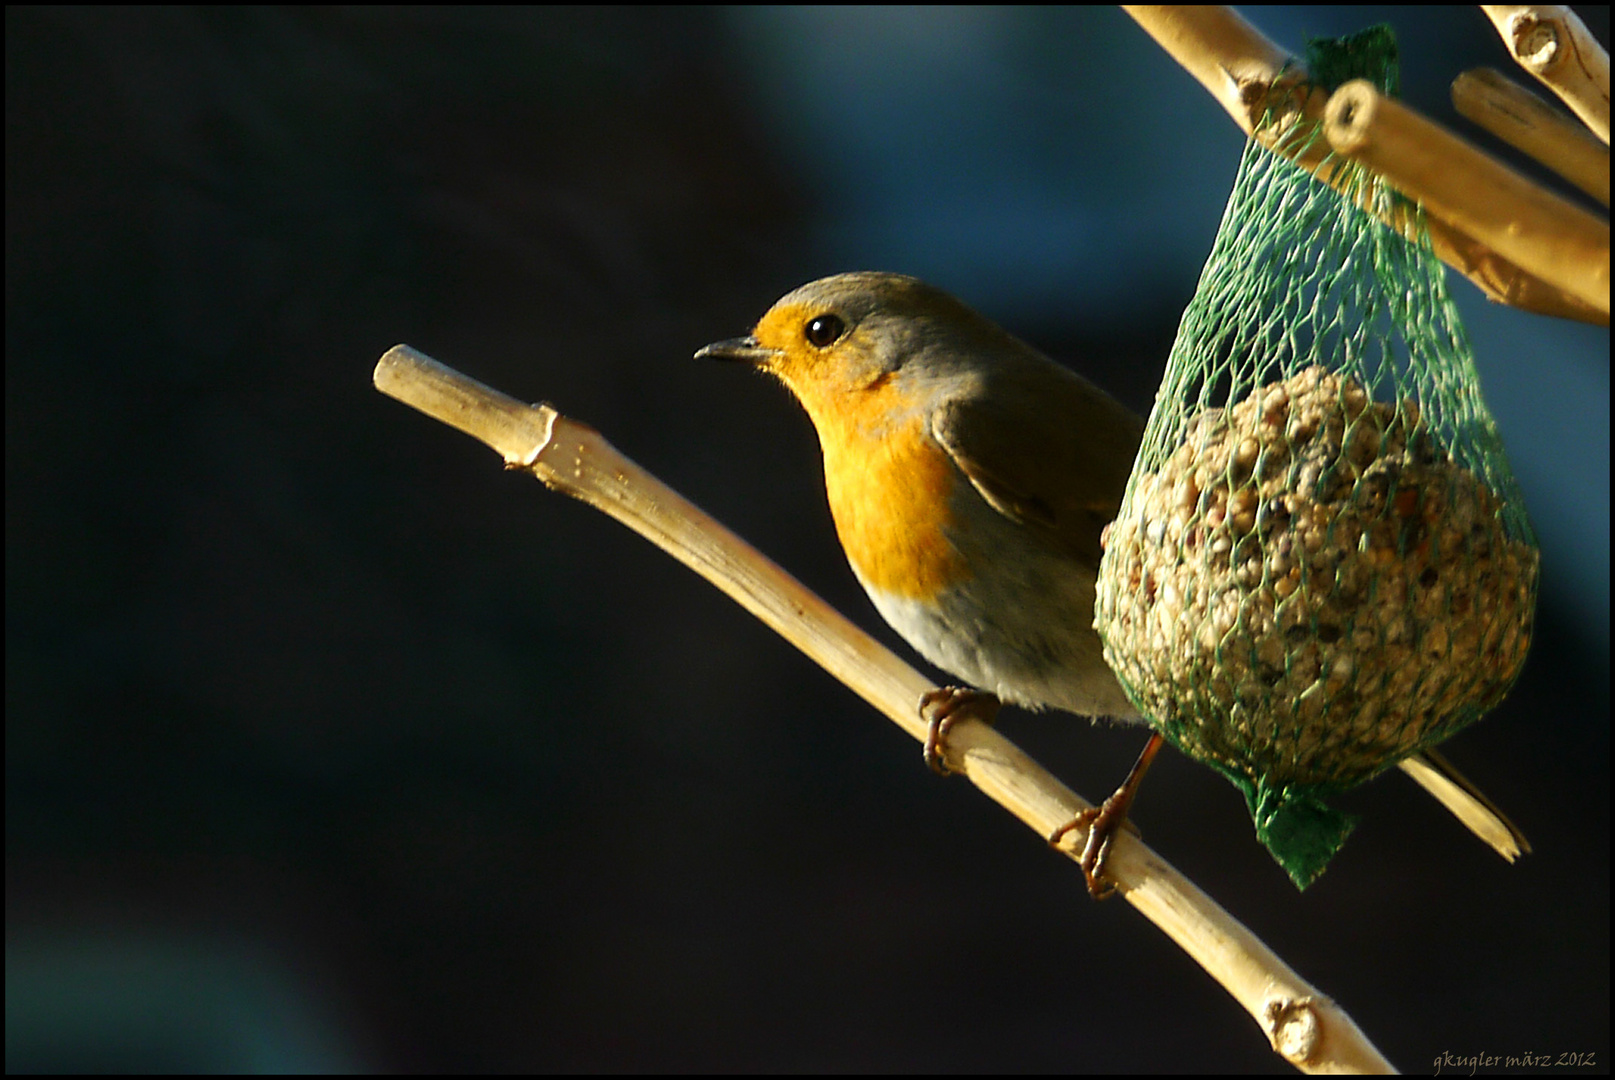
x=970, y=479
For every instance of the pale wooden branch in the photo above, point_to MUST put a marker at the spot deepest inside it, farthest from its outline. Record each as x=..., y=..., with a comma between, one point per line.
x=1248, y=75
x=1304, y=1026
x=1552, y=43
x=1227, y=55
x=1437, y=776
x=1526, y=224
x=1527, y=123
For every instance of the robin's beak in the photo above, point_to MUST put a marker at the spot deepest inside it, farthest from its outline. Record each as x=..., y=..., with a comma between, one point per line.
x=745, y=349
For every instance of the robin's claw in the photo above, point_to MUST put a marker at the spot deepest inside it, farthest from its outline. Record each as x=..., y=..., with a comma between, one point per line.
x=1103, y=821
x=940, y=708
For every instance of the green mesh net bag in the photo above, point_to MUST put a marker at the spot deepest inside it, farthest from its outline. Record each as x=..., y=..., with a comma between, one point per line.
x=1322, y=563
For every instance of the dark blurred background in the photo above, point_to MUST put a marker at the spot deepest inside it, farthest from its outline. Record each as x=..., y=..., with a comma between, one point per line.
x=329, y=745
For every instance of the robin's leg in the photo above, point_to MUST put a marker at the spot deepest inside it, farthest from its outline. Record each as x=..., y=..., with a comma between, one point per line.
x=941, y=707
x=1103, y=821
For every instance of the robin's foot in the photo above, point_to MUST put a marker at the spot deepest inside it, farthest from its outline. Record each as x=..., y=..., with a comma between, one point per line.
x=941, y=707
x=1103, y=821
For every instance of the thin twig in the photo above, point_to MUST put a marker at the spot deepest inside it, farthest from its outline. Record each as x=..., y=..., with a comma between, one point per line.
x=1303, y=1025
x=1552, y=43
x=1527, y=123
x=1249, y=75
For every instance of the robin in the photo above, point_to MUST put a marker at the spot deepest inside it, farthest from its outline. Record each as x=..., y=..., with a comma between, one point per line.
x=970, y=478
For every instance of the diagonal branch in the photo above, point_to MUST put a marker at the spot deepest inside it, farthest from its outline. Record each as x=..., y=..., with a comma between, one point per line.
x=1525, y=224
x=1303, y=1025
x=1527, y=123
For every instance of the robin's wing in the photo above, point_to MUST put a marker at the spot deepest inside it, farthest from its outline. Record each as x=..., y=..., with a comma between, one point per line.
x=1045, y=448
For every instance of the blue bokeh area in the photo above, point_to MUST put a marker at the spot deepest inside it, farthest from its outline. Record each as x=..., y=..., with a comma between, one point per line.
x=1033, y=159
x=332, y=746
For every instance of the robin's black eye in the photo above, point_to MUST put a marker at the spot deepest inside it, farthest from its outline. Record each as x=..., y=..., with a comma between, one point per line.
x=825, y=330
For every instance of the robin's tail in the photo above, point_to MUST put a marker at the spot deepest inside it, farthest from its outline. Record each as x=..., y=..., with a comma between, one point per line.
x=1436, y=775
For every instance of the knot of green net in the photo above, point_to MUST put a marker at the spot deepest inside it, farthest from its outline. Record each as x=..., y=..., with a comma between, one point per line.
x=1322, y=563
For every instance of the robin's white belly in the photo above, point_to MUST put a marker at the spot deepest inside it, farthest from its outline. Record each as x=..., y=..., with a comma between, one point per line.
x=1021, y=627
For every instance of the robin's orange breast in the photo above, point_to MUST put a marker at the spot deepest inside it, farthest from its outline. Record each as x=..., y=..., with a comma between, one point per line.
x=890, y=486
